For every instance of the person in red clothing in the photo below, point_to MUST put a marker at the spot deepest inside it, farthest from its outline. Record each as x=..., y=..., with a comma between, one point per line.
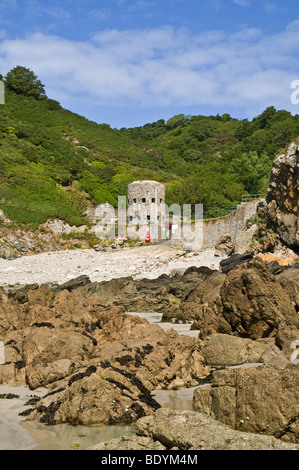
x=148, y=237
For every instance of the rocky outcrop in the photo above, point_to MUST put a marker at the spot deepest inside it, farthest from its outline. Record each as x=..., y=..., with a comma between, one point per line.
x=231, y=262
x=282, y=201
x=222, y=350
x=289, y=280
x=99, y=363
x=149, y=295
x=186, y=430
x=262, y=400
x=16, y=242
x=248, y=297
x=191, y=307
x=96, y=395
x=251, y=304
x=224, y=246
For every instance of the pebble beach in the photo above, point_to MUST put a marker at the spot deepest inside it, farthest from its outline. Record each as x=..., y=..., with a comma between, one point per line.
x=142, y=262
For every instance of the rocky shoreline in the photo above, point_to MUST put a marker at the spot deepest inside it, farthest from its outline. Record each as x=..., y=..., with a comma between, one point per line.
x=80, y=332
x=142, y=262
x=101, y=365
x=170, y=430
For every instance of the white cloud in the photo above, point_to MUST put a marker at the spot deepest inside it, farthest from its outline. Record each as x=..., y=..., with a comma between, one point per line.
x=162, y=67
x=293, y=26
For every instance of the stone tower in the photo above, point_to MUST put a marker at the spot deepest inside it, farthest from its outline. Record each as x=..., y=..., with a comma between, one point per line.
x=146, y=209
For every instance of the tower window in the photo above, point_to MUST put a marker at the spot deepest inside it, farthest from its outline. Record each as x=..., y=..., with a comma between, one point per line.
x=153, y=199
x=134, y=200
x=143, y=199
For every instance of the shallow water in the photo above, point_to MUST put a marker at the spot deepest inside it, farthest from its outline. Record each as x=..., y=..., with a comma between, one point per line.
x=175, y=399
x=66, y=437
x=16, y=433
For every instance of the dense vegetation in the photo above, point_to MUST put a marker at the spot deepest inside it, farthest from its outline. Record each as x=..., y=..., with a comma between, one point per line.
x=216, y=159
x=24, y=81
x=52, y=161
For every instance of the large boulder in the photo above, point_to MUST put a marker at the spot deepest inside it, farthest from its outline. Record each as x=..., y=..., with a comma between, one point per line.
x=289, y=280
x=226, y=350
x=260, y=400
x=187, y=430
x=192, y=307
x=251, y=304
x=96, y=395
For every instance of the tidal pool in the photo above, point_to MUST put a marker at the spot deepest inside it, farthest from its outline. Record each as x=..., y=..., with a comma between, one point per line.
x=67, y=437
x=16, y=433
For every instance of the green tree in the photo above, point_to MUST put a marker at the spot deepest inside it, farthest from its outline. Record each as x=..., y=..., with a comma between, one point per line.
x=53, y=105
x=263, y=119
x=252, y=170
x=24, y=81
x=177, y=120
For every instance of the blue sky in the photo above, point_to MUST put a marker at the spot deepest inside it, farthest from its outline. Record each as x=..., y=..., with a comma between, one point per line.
x=130, y=62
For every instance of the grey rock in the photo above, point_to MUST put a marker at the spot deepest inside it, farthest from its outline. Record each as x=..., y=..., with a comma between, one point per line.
x=283, y=196
x=227, y=350
x=75, y=283
x=130, y=443
x=188, y=430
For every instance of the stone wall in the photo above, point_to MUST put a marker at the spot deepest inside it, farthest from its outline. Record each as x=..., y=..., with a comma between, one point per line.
x=233, y=225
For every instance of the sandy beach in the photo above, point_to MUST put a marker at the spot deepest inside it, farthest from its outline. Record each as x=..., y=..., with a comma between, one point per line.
x=11, y=431
x=142, y=262
x=61, y=266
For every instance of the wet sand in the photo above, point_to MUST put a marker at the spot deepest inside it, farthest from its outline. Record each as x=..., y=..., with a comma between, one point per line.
x=16, y=433
x=12, y=435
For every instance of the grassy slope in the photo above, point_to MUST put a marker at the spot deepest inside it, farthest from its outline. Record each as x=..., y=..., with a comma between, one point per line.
x=52, y=160
x=225, y=157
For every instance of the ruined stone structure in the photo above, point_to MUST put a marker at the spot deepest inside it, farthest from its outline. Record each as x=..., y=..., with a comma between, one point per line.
x=146, y=209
